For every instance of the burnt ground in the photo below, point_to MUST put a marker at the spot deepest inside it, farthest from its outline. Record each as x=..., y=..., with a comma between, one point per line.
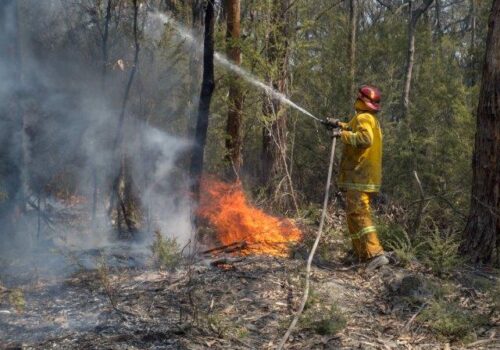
x=232, y=303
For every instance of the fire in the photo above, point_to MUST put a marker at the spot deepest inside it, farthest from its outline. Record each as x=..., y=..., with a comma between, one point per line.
x=226, y=208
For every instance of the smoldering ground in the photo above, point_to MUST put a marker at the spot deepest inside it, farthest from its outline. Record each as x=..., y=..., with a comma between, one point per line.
x=59, y=118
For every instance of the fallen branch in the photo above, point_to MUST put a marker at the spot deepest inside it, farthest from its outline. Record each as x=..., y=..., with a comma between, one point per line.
x=483, y=342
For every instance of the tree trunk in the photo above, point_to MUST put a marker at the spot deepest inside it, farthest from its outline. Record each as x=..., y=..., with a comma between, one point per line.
x=235, y=101
x=274, y=132
x=472, y=58
x=207, y=88
x=194, y=66
x=124, y=199
x=353, y=26
x=104, y=52
x=11, y=120
x=275, y=174
x=414, y=16
x=482, y=232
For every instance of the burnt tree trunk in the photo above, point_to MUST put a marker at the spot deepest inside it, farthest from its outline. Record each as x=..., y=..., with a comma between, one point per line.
x=235, y=100
x=482, y=232
x=414, y=16
x=124, y=199
x=11, y=120
x=104, y=53
x=195, y=64
x=207, y=88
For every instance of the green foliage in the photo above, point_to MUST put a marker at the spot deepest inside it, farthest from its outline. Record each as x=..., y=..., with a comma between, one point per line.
x=218, y=324
x=441, y=252
x=331, y=323
x=394, y=237
x=313, y=298
x=166, y=252
x=242, y=332
x=450, y=320
x=321, y=313
x=328, y=321
x=16, y=299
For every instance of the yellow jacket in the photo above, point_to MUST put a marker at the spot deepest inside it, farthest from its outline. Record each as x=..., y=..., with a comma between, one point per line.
x=361, y=164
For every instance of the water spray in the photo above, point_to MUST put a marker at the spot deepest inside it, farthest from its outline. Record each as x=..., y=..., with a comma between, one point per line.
x=328, y=122
x=224, y=61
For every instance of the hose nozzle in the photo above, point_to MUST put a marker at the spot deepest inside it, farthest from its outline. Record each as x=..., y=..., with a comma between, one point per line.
x=331, y=123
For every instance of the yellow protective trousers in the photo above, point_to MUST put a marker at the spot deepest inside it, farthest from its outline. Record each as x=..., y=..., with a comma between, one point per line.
x=361, y=228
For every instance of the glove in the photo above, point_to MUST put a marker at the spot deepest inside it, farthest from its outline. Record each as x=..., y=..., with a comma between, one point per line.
x=336, y=132
x=331, y=123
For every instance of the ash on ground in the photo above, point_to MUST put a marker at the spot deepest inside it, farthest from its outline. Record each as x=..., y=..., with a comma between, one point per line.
x=223, y=302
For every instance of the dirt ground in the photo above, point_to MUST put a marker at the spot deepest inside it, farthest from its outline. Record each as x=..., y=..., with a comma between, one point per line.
x=228, y=302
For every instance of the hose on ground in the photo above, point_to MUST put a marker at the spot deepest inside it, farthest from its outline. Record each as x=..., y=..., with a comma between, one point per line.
x=313, y=250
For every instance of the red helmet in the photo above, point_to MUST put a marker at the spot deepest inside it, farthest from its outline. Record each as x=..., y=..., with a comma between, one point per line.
x=370, y=95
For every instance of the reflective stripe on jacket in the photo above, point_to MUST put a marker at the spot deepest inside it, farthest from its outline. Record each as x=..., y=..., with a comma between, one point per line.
x=361, y=164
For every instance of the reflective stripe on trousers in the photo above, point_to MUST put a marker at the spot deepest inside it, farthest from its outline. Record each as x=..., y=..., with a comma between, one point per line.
x=361, y=228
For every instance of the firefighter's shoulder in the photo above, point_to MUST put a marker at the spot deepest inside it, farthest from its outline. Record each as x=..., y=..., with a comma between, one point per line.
x=366, y=118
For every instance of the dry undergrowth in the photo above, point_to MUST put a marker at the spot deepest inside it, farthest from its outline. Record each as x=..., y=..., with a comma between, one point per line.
x=247, y=303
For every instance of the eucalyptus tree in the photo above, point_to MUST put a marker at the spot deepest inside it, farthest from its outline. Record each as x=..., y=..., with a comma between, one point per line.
x=482, y=233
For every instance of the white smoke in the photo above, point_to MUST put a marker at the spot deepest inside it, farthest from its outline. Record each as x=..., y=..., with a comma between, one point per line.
x=70, y=126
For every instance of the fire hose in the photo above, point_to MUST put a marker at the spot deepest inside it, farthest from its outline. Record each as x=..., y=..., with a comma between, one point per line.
x=331, y=124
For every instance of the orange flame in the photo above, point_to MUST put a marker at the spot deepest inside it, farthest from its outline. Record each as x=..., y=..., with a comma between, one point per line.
x=226, y=208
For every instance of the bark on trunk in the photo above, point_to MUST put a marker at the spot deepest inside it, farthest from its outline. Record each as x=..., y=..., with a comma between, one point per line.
x=414, y=16
x=207, y=88
x=104, y=52
x=235, y=101
x=275, y=174
x=195, y=66
x=472, y=54
x=124, y=199
x=482, y=232
x=274, y=132
x=353, y=26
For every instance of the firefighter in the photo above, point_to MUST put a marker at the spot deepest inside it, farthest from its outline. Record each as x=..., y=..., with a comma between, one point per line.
x=361, y=173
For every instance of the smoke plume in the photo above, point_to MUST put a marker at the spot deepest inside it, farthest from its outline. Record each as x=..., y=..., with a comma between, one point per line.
x=58, y=124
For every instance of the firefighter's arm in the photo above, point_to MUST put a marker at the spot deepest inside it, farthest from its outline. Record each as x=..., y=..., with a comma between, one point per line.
x=362, y=137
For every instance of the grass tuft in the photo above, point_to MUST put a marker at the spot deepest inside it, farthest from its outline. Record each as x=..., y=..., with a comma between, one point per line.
x=448, y=320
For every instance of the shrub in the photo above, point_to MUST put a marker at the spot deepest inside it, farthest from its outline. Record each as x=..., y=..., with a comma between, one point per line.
x=441, y=255
x=323, y=319
x=395, y=238
x=166, y=251
x=332, y=323
x=17, y=300
x=449, y=320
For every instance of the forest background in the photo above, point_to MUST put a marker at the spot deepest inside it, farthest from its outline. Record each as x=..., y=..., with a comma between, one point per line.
x=104, y=106
x=91, y=85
